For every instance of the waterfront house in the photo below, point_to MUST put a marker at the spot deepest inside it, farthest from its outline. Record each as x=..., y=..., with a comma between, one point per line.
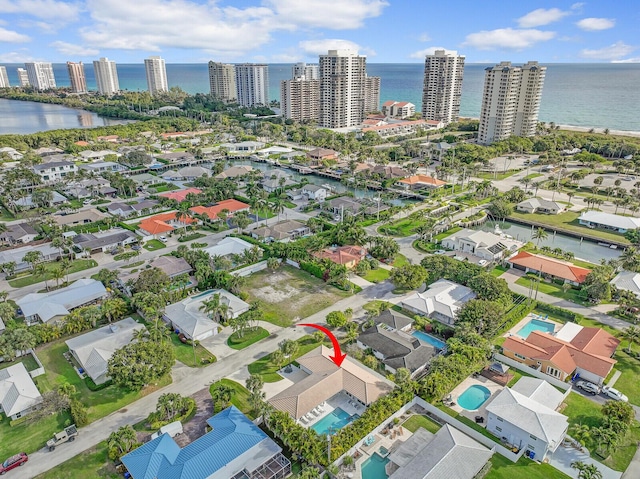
x=609, y=221
x=418, y=182
x=627, y=281
x=488, y=246
x=283, y=231
x=235, y=172
x=540, y=205
x=441, y=301
x=317, y=156
x=549, y=267
x=314, y=192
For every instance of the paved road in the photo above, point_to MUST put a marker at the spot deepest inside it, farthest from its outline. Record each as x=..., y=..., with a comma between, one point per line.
x=188, y=381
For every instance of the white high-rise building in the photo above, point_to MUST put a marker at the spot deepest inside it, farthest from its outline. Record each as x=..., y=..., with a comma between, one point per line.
x=371, y=94
x=77, y=77
x=300, y=99
x=40, y=75
x=343, y=76
x=156, y=74
x=106, y=76
x=4, y=78
x=252, y=84
x=309, y=71
x=222, y=81
x=442, y=86
x=23, y=78
x=510, y=101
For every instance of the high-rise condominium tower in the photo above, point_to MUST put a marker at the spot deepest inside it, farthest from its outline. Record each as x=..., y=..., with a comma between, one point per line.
x=343, y=76
x=252, y=84
x=77, y=77
x=300, y=99
x=510, y=101
x=4, y=78
x=442, y=86
x=40, y=75
x=23, y=78
x=222, y=81
x=106, y=76
x=371, y=94
x=308, y=71
x=156, y=75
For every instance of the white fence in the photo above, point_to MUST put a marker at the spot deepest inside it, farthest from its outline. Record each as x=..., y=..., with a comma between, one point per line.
x=566, y=387
x=252, y=268
x=40, y=370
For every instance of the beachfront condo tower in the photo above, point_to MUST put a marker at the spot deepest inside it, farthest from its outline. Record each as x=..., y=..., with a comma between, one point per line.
x=77, y=77
x=307, y=71
x=442, y=86
x=106, y=76
x=371, y=94
x=40, y=75
x=510, y=101
x=4, y=78
x=222, y=81
x=252, y=84
x=343, y=85
x=23, y=78
x=156, y=75
x=300, y=99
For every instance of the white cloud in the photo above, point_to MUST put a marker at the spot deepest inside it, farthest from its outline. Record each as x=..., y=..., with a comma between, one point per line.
x=41, y=8
x=613, y=52
x=331, y=14
x=507, y=38
x=10, y=36
x=596, y=24
x=628, y=60
x=424, y=37
x=428, y=51
x=541, y=16
x=75, y=50
x=320, y=47
x=16, y=57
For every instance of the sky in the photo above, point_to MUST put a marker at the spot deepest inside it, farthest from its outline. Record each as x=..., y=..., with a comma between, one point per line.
x=285, y=31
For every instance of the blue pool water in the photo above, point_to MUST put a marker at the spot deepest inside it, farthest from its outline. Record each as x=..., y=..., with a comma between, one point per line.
x=536, y=325
x=474, y=397
x=374, y=467
x=427, y=338
x=336, y=419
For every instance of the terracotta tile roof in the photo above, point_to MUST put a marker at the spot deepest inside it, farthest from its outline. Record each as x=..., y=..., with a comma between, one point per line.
x=429, y=180
x=342, y=254
x=212, y=211
x=557, y=268
x=388, y=103
x=596, y=341
x=180, y=195
x=160, y=223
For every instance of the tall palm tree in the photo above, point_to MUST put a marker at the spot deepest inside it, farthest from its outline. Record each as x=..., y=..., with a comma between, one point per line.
x=631, y=334
x=586, y=471
x=539, y=234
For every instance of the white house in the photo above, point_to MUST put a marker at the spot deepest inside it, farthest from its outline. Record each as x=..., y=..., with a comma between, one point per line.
x=101, y=155
x=57, y=304
x=19, y=233
x=540, y=205
x=525, y=416
x=441, y=301
x=486, y=245
x=314, y=192
x=93, y=350
x=187, y=318
x=12, y=153
x=54, y=171
x=627, y=281
x=16, y=255
x=608, y=221
x=103, y=166
x=18, y=394
x=229, y=246
x=243, y=146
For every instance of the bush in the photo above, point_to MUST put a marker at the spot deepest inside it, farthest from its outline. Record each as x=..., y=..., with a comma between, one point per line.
x=560, y=312
x=313, y=269
x=96, y=387
x=155, y=423
x=79, y=413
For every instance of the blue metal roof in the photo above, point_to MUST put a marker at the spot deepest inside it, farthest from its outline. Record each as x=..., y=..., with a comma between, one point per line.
x=232, y=435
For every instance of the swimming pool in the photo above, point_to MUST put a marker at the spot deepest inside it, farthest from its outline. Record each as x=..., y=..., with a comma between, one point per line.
x=427, y=338
x=332, y=422
x=536, y=325
x=374, y=467
x=473, y=397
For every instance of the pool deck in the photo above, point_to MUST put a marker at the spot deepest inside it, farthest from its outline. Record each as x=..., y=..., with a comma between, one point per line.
x=493, y=388
x=514, y=331
x=390, y=441
x=340, y=400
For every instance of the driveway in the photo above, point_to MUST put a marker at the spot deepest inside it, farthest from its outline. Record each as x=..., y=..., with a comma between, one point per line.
x=565, y=456
x=196, y=427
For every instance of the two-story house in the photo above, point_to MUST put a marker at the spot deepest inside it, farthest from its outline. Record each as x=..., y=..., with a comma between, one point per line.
x=54, y=171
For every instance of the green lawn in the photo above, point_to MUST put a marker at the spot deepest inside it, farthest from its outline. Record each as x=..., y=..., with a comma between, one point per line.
x=444, y=234
x=503, y=468
x=26, y=437
x=185, y=353
x=377, y=275
x=240, y=397
x=581, y=410
x=154, y=244
x=76, y=265
x=265, y=368
x=498, y=271
x=28, y=361
x=533, y=176
x=416, y=421
x=487, y=175
x=6, y=215
x=628, y=382
x=92, y=463
x=372, y=304
x=399, y=261
x=289, y=294
x=553, y=289
x=249, y=337
x=569, y=221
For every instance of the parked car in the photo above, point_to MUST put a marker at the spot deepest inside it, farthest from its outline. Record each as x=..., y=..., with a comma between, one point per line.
x=163, y=239
x=68, y=435
x=135, y=247
x=483, y=262
x=173, y=429
x=588, y=387
x=614, y=394
x=13, y=462
x=440, y=251
x=86, y=202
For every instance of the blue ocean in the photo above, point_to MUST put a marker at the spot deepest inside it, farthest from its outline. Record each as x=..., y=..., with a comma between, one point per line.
x=603, y=95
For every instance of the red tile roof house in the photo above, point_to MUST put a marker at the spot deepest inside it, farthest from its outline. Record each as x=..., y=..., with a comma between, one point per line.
x=588, y=353
x=348, y=256
x=180, y=195
x=421, y=181
x=550, y=267
x=318, y=155
x=231, y=205
x=162, y=223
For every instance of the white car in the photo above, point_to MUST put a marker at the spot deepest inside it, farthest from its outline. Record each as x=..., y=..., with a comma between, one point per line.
x=86, y=202
x=440, y=251
x=614, y=394
x=483, y=262
x=163, y=239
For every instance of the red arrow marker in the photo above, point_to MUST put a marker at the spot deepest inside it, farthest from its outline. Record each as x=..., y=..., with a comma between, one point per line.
x=337, y=357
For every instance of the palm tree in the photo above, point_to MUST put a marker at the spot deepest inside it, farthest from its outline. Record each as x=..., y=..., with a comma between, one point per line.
x=215, y=308
x=183, y=214
x=40, y=269
x=57, y=273
x=586, y=471
x=539, y=234
x=140, y=335
x=122, y=441
x=631, y=334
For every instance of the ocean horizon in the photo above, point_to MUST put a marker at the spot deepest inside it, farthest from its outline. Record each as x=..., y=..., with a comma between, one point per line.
x=587, y=95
